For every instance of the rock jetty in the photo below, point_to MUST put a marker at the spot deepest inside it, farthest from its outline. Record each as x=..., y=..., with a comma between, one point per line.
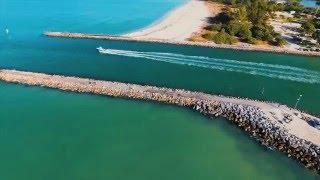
x=187, y=43
x=276, y=126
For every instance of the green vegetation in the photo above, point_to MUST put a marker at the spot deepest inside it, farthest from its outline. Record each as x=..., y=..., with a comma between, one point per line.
x=247, y=20
x=221, y=37
x=314, y=28
x=309, y=19
x=316, y=36
x=308, y=27
x=279, y=41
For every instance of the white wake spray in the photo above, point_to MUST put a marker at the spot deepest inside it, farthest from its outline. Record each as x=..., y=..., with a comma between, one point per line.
x=261, y=69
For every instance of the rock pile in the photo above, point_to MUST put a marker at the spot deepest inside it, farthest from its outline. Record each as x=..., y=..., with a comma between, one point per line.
x=245, y=113
x=269, y=133
x=315, y=122
x=189, y=43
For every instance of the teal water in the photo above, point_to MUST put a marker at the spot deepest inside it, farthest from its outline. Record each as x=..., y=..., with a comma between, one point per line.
x=310, y=3
x=30, y=18
x=49, y=134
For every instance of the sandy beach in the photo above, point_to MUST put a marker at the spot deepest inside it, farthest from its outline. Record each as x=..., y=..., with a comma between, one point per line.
x=178, y=24
x=185, y=25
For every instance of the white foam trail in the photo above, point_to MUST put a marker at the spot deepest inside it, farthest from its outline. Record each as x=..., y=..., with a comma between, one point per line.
x=227, y=61
x=261, y=69
x=234, y=66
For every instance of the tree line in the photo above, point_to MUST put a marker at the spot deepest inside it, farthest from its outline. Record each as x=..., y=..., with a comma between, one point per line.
x=247, y=20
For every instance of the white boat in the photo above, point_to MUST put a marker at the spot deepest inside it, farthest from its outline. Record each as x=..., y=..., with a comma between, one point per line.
x=104, y=51
x=113, y=51
x=100, y=49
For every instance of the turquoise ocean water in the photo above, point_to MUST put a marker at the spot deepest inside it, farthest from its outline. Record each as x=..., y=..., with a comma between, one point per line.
x=310, y=3
x=50, y=134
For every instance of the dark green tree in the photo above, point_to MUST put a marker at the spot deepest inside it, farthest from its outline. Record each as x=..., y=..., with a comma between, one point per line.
x=316, y=36
x=308, y=27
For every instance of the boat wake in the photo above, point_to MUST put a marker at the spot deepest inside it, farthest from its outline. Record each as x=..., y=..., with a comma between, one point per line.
x=268, y=70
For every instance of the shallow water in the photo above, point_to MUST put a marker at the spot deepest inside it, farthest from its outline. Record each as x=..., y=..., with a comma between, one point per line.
x=49, y=134
x=310, y=3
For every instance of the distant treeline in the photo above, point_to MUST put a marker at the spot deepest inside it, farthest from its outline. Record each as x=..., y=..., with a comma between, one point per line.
x=247, y=21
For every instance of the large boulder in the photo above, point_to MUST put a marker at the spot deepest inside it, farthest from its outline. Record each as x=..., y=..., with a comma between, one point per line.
x=315, y=122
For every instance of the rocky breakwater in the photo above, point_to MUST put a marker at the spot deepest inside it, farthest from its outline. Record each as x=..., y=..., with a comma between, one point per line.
x=273, y=134
x=276, y=126
x=185, y=42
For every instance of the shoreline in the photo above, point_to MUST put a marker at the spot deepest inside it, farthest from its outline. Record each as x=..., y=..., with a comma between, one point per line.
x=156, y=22
x=174, y=28
x=187, y=43
x=178, y=24
x=276, y=126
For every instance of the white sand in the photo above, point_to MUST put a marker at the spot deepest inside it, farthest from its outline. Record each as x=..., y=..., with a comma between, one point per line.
x=179, y=24
x=286, y=29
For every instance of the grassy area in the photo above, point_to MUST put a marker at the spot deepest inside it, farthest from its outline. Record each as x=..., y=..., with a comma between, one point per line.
x=248, y=21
